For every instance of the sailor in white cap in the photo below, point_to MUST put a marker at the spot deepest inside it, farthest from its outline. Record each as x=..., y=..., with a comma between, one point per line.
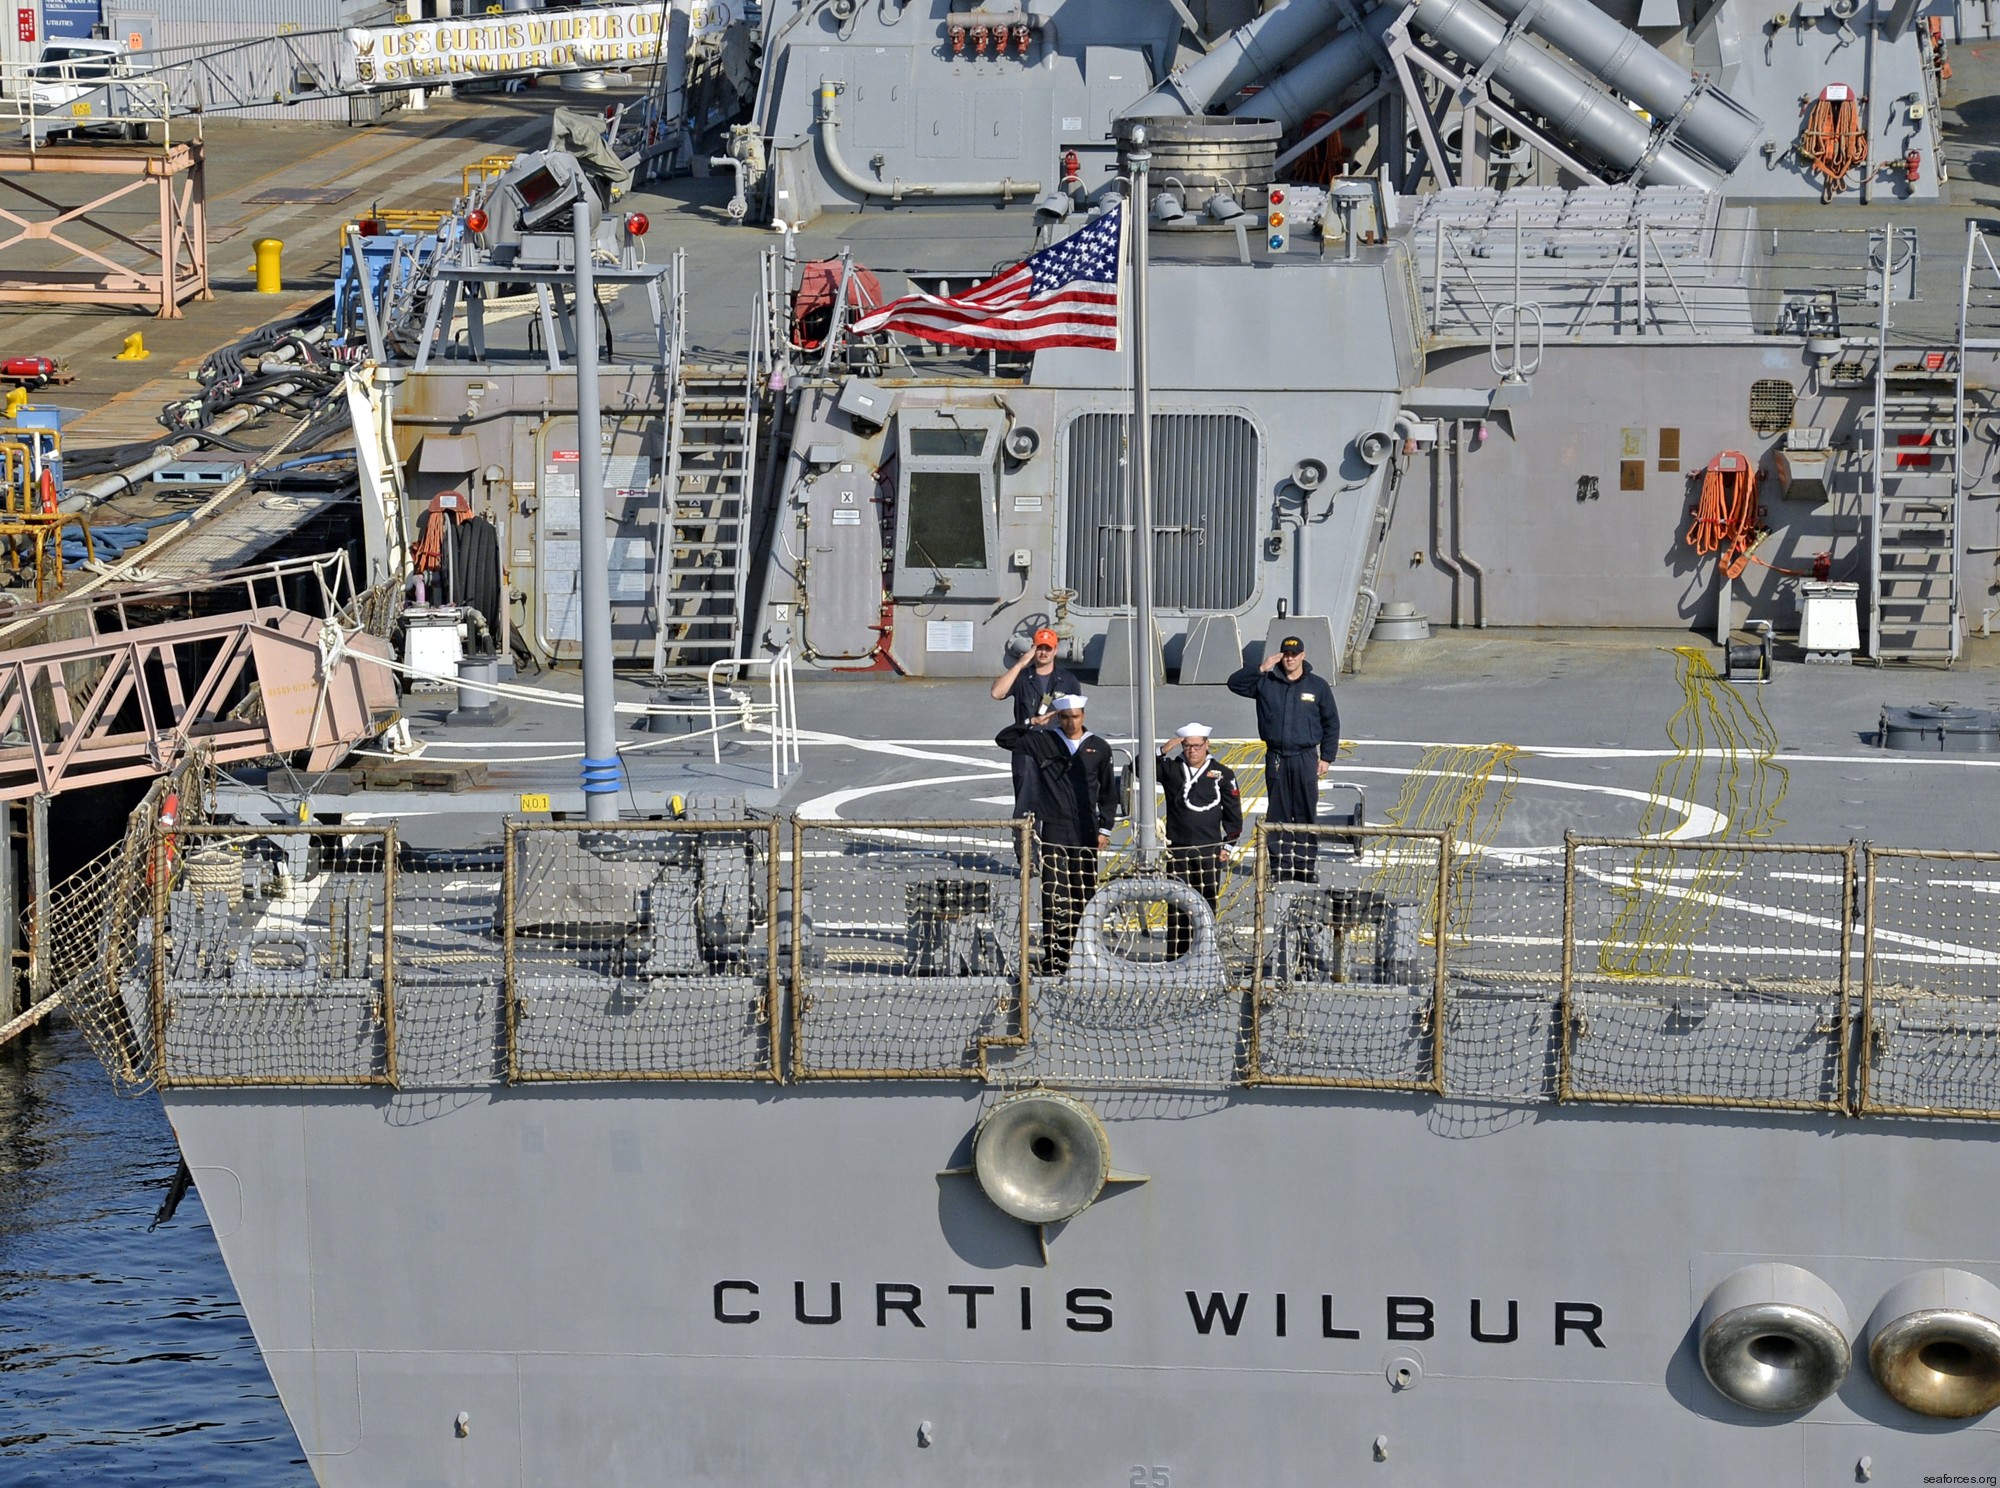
x=1204, y=819
x=1077, y=806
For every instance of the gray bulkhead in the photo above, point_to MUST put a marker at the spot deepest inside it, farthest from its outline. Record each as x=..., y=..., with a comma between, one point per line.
x=1576, y=504
x=912, y=112
x=507, y=437
x=1254, y=371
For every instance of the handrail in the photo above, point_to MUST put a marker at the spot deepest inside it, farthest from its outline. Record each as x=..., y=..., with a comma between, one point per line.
x=126, y=98
x=783, y=709
x=336, y=590
x=1404, y=965
x=1877, y=439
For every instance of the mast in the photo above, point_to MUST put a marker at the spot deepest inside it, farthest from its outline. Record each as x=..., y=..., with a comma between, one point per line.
x=1138, y=159
x=602, y=771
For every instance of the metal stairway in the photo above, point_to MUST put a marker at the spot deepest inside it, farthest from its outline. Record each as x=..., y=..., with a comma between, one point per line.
x=702, y=562
x=1915, y=543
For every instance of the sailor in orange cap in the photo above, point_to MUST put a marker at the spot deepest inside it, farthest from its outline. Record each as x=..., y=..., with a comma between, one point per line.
x=1034, y=683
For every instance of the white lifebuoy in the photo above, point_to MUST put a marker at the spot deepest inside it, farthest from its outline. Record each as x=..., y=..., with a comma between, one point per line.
x=1094, y=966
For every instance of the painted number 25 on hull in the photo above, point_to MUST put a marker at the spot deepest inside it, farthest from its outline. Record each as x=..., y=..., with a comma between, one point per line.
x=1151, y=1477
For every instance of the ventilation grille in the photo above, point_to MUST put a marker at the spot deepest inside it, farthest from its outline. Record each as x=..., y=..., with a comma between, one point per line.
x=1771, y=400
x=1204, y=511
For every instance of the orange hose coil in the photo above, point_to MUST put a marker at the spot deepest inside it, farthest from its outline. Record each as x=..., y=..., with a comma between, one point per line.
x=1727, y=520
x=1833, y=142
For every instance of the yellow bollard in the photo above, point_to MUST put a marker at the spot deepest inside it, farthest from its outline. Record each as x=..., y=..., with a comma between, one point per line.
x=135, y=349
x=17, y=398
x=270, y=272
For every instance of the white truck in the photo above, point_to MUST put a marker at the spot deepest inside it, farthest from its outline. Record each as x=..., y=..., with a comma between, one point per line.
x=85, y=85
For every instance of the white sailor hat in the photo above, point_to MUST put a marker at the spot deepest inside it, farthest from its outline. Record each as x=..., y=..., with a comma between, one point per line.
x=1193, y=731
x=1071, y=702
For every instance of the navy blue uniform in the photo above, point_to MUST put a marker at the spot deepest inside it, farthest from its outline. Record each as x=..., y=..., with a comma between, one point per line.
x=1034, y=697
x=1300, y=726
x=1204, y=811
x=1078, y=795
x=1034, y=700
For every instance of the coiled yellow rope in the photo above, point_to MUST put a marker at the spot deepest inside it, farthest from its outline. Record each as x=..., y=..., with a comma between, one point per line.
x=1725, y=750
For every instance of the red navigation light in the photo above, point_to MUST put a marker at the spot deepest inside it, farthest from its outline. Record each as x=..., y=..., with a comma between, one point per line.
x=475, y=221
x=636, y=224
x=1277, y=196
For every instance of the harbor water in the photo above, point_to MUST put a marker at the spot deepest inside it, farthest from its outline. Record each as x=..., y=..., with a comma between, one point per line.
x=124, y=1354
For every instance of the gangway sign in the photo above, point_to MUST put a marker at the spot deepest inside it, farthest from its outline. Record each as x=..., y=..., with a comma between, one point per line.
x=446, y=51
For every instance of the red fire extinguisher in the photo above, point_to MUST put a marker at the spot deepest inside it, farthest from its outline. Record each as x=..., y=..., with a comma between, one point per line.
x=31, y=371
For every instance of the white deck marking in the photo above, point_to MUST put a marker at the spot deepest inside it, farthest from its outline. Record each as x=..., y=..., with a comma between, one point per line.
x=1547, y=751
x=1697, y=821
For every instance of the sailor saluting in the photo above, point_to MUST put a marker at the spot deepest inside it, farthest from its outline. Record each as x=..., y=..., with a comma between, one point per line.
x=1204, y=819
x=1034, y=683
x=1078, y=807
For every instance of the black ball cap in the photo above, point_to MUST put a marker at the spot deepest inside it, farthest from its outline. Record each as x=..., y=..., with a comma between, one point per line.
x=1291, y=646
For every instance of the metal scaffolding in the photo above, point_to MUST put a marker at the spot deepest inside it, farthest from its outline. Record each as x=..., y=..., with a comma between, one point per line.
x=119, y=267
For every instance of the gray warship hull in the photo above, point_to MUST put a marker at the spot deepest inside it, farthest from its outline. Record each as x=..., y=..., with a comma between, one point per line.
x=700, y=1273
x=639, y=1289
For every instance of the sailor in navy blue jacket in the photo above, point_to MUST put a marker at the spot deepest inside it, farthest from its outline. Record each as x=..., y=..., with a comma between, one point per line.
x=1077, y=806
x=1300, y=727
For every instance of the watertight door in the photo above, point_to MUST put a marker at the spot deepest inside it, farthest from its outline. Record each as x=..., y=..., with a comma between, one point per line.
x=843, y=538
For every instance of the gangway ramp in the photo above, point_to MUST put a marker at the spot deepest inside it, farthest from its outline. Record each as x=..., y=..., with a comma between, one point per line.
x=147, y=674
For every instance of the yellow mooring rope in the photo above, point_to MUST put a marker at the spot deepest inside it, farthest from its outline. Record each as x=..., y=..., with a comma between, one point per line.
x=1725, y=759
x=1449, y=790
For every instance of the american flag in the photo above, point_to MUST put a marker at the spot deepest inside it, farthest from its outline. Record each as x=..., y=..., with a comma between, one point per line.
x=1065, y=295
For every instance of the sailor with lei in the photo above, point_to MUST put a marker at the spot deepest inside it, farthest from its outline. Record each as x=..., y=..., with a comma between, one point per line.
x=1204, y=819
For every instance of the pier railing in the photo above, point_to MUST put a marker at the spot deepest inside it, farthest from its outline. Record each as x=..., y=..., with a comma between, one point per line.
x=1843, y=978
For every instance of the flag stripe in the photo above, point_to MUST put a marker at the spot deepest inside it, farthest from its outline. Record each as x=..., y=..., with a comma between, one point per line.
x=945, y=315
